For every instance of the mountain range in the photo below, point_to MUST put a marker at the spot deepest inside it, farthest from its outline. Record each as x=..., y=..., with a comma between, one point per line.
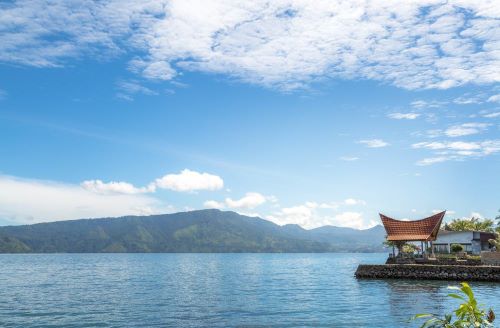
x=202, y=231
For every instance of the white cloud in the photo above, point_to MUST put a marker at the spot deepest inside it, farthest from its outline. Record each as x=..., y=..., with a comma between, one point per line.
x=495, y=98
x=3, y=94
x=273, y=199
x=487, y=147
x=333, y=205
x=448, y=212
x=352, y=202
x=153, y=70
x=282, y=44
x=403, y=116
x=476, y=215
x=349, y=158
x=31, y=201
x=213, y=204
x=492, y=115
x=423, y=104
x=457, y=150
x=97, y=186
x=249, y=201
x=466, y=129
x=188, y=180
x=433, y=160
x=468, y=100
x=374, y=143
x=312, y=215
x=127, y=89
x=352, y=220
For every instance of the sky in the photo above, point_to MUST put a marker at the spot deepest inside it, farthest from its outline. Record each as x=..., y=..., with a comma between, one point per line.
x=310, y=113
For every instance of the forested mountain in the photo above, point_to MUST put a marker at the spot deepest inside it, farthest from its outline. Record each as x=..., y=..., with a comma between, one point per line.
x=195, y=231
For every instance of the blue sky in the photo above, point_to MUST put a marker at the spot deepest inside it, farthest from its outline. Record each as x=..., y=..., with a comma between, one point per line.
x=324, y=114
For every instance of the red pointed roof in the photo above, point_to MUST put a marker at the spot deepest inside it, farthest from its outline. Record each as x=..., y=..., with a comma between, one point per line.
x=419, y=230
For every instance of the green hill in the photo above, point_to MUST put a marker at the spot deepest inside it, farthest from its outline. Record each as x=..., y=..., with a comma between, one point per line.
x=201, y=231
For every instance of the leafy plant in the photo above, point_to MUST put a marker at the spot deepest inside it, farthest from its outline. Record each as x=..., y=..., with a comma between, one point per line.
x=456, y=248
x=474, y=257
x=467, y=315
x=410, y=248
x=495, y=242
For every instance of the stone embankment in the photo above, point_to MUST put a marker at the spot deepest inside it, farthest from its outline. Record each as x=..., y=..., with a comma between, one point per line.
x=431, y=272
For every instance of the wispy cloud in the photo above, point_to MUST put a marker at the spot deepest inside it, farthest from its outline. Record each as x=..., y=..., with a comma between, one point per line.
x=113, y=187
x=491, y=115
x=466, y=129
x=374, y=143
x=31, y=201
x=459, y=130
x=494, y=98
x=457, y=150
x=349, y=158
x=251, y=200
x=127, y=90
x=403, y=116
x=422, y=104
x=439, y=45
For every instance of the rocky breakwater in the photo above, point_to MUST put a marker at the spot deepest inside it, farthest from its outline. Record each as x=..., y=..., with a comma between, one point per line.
x=430, y=272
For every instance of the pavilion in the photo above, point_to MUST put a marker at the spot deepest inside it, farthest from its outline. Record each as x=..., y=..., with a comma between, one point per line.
x=423, y=231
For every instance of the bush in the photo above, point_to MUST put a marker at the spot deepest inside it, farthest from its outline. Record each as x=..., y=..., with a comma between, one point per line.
x=468, y=314
x=456, y=248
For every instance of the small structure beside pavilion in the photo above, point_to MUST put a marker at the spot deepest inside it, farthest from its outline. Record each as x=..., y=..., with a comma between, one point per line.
x=426, y=265
x=425, y=231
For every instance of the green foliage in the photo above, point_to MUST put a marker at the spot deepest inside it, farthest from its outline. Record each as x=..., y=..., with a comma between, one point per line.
x=409, y=248
x=495, y=242
x=472, y=224
x=399, y=245
x=456, y=248
x=467, y=315
x=446, y=256
x=12, y=245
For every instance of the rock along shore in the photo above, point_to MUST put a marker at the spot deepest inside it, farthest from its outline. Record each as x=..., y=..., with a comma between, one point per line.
x=430, y=272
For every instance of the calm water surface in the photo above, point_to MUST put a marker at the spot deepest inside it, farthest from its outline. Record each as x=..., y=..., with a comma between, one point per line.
x=212, y=290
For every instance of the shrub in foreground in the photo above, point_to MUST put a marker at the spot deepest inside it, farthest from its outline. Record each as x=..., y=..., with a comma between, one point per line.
x=468, y=315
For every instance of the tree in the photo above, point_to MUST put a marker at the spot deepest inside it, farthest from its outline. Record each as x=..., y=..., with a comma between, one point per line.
x=497, y=218
x=495, y=242
x=468, y=314
x=472, y=224
x=398, y=244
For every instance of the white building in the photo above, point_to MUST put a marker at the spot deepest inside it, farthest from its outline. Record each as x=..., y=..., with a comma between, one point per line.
x=473, y=241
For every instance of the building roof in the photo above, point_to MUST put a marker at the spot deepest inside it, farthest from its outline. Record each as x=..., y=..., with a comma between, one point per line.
x=419, y=230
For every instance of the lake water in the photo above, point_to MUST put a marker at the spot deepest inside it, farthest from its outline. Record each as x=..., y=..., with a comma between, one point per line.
x=212, y=290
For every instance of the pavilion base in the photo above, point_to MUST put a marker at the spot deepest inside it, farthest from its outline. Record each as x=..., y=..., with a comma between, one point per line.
x=429, y=272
